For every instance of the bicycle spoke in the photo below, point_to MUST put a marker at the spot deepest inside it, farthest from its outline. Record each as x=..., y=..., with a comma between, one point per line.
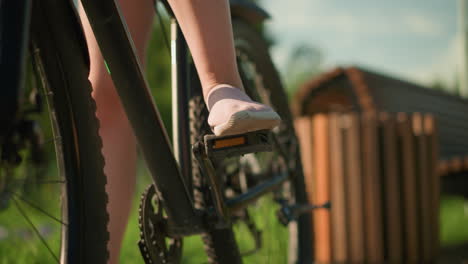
x=16, y=183
x=35, y=230
x=52, y=140
x=163, y=29
x=22, y=180
x=39, y=209
x=50, y=182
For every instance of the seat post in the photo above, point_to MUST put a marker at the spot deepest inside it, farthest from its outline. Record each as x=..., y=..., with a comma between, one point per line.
x=180, y=101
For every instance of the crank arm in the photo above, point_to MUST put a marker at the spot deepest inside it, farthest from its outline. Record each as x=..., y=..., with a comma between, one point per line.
x=209, y=171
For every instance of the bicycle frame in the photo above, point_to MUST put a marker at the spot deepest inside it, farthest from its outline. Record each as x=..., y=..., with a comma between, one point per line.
x=164, y=163
x=170, y=169
x=14, y=26
x=125, y=70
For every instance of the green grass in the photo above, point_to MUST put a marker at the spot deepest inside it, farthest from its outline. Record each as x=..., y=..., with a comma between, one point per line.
x=274, y=250
x=22, y=244
x=23, y=247
x=274, y=236
x=454, y=220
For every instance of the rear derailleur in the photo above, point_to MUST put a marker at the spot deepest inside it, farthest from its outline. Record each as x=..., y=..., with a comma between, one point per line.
x=22, y=142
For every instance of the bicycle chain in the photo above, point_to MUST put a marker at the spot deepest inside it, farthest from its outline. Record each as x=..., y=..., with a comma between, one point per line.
x=155, y=246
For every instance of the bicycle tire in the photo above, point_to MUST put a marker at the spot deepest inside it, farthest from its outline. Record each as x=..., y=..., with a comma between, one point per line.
x=229, y=249
x=220, y=245
x=61, y=63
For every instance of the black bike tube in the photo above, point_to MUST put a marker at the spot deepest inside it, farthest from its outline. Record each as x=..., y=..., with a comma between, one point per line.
x=125, y=70
x=14, y=35
x=180, y=101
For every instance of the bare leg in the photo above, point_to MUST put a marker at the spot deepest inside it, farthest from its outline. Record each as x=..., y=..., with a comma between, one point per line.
x=207, y=28
x=206, y=25
x=119, y=146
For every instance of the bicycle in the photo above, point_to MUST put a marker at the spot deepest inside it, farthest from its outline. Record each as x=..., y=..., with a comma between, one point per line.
x=203, y=190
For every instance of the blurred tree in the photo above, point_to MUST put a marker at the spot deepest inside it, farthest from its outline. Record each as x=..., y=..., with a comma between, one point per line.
x=446, y=86
x=158, y=66
x=438, y=85
x=304, y=62
x=457, y=86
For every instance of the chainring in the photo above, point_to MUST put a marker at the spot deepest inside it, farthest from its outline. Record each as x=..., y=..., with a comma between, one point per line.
x=155, y=246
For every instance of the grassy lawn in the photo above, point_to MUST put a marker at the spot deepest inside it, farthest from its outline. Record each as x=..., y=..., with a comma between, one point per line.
x=18, y=243
x=273, y=251
x=454, y=220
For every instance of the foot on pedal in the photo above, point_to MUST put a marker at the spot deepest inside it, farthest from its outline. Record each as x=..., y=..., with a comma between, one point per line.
x=247, y=121
x=233, y=112
x=235, y=145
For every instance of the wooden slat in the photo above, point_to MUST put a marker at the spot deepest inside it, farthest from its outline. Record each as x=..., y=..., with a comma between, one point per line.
x=382, y=176
x=372, y=193
x=337, y=191
x=304, y=131
x=430, y=129
x=410, y=201
x=465, y=158
x=322, y=189
x=392, y=191
x=455, y=165
x=354, y=187
x=443, y=168
x=424, y=186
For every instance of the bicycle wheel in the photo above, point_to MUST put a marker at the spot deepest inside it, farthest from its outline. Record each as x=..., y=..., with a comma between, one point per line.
x=64, y=211
x=263, y=84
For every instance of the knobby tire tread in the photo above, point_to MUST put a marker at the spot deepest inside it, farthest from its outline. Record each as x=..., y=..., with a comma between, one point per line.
x=64, y=68
x=220, y=245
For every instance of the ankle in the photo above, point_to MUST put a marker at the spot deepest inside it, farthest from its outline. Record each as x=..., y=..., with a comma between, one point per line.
x=209, y=85
x=224, y=91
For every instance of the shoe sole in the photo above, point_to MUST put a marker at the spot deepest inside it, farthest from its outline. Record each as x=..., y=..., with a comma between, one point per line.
x=247, y=121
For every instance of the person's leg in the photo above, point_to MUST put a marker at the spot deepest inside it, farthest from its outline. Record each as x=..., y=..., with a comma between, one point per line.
x=207, y=29
x=119, y=146
x=206, y=25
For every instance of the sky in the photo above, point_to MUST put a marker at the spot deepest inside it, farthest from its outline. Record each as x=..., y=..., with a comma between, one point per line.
x=414, y=40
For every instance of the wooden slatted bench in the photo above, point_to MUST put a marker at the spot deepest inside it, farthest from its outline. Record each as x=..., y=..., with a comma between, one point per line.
x=381, y=173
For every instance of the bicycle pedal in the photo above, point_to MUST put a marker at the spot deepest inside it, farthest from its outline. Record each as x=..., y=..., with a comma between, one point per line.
x=237, y=145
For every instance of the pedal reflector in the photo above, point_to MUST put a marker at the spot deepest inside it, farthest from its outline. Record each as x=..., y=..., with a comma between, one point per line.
x=236, y=145
x=231, y=142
